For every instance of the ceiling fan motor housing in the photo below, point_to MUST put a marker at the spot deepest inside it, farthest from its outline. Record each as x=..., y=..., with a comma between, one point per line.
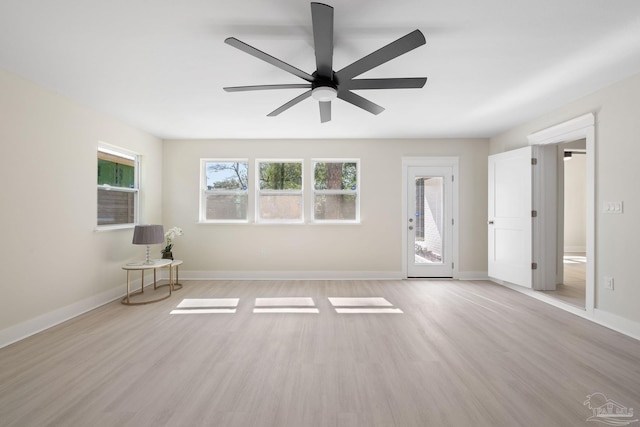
x=323, y=89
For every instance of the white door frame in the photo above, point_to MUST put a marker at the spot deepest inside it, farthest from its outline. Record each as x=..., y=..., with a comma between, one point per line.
x=578, y=128
x=430, y=162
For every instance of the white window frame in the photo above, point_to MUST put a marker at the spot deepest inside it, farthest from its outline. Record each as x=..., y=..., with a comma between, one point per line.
x=315, y=192
x=127, y=154
x=259, y=192
x=204, y=192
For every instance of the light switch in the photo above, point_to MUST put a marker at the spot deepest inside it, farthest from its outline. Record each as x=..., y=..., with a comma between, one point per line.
x=613, y=207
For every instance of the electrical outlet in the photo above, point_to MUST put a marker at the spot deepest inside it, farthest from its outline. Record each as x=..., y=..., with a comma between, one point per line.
x=608, y=283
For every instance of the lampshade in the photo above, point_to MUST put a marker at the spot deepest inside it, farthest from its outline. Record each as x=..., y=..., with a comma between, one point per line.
x=148, y=234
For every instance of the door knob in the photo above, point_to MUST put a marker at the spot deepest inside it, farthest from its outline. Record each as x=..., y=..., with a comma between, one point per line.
x=411, y=227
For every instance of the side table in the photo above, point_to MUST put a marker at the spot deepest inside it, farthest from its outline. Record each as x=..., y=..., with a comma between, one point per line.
x=173, y=279
x=141, y=266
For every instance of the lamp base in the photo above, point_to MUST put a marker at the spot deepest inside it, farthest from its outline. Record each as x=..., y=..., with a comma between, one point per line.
x=148, y=260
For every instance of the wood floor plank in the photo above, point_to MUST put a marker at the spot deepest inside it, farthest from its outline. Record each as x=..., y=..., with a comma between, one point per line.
x=461, y=353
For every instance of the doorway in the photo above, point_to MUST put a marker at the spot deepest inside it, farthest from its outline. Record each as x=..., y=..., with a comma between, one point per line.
x=572, y=227
x=551, y=200
x=428, y=217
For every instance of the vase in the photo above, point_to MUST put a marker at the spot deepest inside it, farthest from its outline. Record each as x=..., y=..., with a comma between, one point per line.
x=167, y=255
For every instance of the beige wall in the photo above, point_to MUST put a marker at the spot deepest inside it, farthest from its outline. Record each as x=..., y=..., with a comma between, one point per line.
x=617, y=176
x=373, y=247
x=575, y=203
x=50, y=255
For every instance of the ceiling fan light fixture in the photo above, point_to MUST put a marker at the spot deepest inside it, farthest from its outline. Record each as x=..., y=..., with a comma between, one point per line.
x=324, y=93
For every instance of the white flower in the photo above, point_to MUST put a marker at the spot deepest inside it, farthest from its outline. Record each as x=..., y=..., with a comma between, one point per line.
x=173, y=233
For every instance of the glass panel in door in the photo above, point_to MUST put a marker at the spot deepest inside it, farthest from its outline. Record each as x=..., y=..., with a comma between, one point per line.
x=428, y=242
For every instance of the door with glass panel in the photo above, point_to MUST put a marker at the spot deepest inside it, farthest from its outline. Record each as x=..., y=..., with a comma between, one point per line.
x=430, y=222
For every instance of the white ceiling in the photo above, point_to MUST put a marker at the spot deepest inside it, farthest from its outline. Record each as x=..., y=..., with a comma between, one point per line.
x=160, y=65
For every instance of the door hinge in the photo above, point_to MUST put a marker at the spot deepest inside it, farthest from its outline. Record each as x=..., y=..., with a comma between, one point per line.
x=453, y=178
x=452, y=265
x=452, y=221
x=534, y=214
x=534, y=161
x=534, y=265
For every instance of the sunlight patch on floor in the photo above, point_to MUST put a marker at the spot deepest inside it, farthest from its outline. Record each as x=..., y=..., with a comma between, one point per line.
x=363, y=305
x=205, y=311
x=285, y=302
x=360, y=302
x=372, y=310
x=295, y=305
x=293, y=310
x=207, y=306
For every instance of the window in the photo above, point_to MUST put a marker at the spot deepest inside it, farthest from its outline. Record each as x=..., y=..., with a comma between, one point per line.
x=279, y=189
x=336, y=191
x=224, y=195
x=117, y=187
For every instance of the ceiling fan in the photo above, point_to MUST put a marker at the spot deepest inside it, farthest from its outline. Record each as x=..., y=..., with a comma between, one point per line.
x=324, y=84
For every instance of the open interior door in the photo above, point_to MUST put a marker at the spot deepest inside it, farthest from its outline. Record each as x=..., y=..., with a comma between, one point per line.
x=510, y=217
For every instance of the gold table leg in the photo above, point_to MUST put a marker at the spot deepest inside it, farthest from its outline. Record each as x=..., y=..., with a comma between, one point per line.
x=127, y=299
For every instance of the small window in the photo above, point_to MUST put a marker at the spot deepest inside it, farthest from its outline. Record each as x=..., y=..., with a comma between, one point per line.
x=279, y=191
x=224, y=191
x=117, y=187
x=336, y=191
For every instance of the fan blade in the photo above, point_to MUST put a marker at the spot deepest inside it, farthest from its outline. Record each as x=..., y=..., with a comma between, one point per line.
x=267, y=87
x=359, y=101
x=232, y=41
x=382, y=55
x=399, y=83
x=325, y=111
x=290, y=104
x=322, y=17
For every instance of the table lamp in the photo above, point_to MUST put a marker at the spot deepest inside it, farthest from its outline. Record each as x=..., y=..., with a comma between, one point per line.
x=148, y=235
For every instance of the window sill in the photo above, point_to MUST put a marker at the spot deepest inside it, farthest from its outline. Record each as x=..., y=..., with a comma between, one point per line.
x=312, y=223
x=101, y=228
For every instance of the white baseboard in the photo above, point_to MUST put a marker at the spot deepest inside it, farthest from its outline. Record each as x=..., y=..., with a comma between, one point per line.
x=30, y=327
x=617, y=323
x=307, y=275
x=609, y=320
x=472, y=275
x=575, y=249
x=284, y=275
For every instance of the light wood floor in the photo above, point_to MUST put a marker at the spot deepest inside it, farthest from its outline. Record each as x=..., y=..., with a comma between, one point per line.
x=573, y=288
x=461, y=354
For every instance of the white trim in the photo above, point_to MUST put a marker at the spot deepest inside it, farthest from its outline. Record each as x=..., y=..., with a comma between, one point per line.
x=617, y=323
x=45, y=321
x=473, y=275
x=603, y=318
x=306, y=275
x=569, y=130
x=452, y=162
x=285, y=275
x=118, y=151
x=578, y=249
x=578, y=128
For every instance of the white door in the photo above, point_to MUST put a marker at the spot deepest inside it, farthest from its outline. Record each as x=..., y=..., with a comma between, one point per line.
x=510, y=217
x=429, y=222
